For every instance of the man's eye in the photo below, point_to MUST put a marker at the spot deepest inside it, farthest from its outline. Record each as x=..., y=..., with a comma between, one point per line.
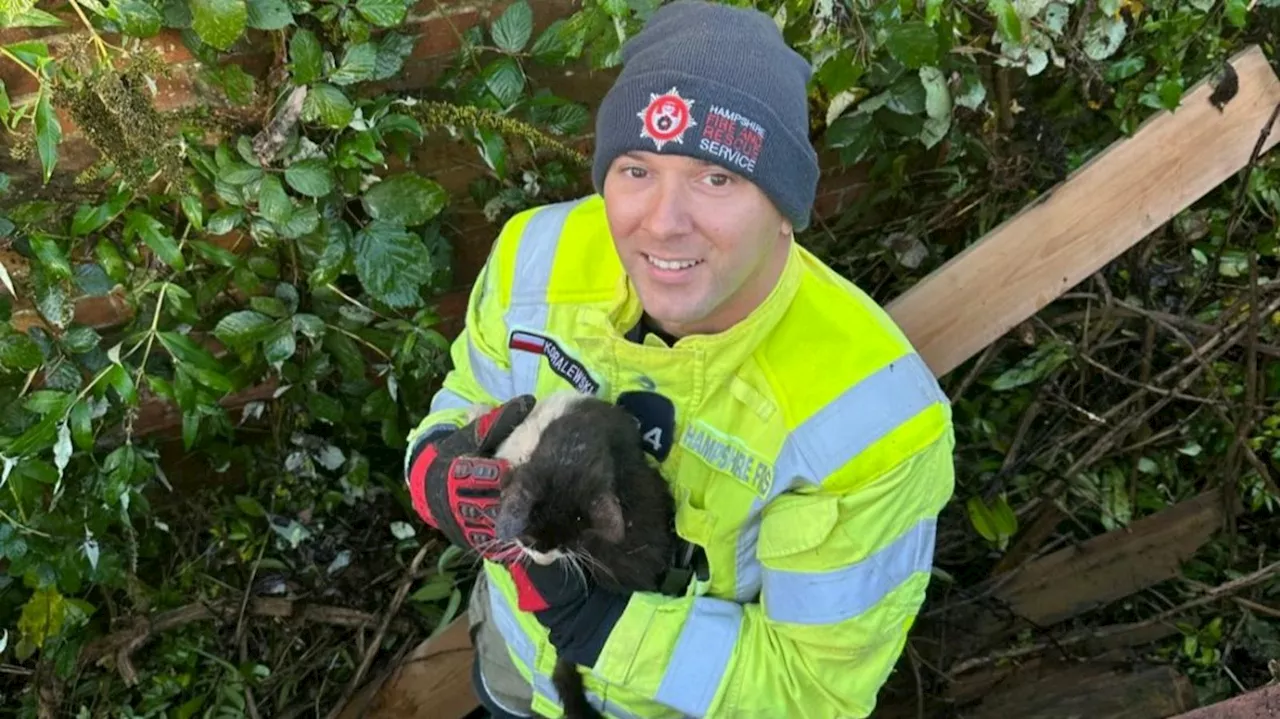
x=719, y=180
x=636, y=172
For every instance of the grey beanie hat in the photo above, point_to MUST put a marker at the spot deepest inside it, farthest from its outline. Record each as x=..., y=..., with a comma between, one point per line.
x=718, y=83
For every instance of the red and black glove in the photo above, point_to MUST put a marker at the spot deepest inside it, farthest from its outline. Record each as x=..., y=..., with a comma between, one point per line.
x=455, y=482
x=578, y=616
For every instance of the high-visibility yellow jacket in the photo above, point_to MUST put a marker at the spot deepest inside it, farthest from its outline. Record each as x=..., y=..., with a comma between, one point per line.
x=813, y=453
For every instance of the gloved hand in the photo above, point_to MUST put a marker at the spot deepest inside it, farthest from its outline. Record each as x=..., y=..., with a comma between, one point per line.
x=578, y=615
x=455, y=481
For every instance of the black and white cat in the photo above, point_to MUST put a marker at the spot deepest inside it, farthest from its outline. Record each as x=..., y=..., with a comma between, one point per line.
x=582, y=491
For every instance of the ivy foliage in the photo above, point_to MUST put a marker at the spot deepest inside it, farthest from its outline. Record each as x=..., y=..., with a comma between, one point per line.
x=275, y=257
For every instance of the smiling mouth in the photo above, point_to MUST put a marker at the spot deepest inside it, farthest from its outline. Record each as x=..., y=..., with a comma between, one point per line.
x=670, y=265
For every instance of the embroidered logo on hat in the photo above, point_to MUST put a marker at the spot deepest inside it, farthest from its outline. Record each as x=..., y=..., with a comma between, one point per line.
x=666, y=117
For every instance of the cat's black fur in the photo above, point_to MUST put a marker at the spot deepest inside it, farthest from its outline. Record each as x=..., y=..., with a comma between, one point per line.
x=587, y=488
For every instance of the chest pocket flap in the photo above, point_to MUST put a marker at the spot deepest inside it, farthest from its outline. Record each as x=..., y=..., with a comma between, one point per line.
x=795, y=523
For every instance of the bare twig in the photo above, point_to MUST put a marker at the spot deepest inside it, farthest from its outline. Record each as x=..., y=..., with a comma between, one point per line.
x=372, y=650
x=1219, y=592
x=124, y=642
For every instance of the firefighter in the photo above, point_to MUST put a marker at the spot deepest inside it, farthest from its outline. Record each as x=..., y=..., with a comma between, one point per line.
x=808, y=446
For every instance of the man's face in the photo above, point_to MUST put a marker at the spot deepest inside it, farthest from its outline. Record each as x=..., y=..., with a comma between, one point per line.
x=702, y=245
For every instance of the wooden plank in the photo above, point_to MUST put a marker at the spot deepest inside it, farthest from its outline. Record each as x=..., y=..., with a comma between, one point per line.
x=1076, y=579
x=1114, y=565
x=1261, y=703
x=1095, y=690
x=1101, y=210
x=433, y=682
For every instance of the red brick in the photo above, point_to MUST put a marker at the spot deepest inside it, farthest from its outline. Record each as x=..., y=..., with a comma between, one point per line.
x=440, y=35
x=17, y=82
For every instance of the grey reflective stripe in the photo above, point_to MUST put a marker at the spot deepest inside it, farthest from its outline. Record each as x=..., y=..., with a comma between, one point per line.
x=840, y=594
x=701, y=656
x=747, y=583
x=535, y=259
x=505, y=620
x=840, y=431
x=448, y=399
x=419, y=440
x=492, y=378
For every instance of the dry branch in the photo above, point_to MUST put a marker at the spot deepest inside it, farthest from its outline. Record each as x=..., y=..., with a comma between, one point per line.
x=1219, y=592
x=122, y=643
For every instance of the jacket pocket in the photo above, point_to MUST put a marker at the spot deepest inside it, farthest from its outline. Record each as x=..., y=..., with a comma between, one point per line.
x=795, y=523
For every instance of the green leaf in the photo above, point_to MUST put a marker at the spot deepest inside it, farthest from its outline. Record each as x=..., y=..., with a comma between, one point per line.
x=504, y=78
x=552, y=46
x=185, y=350
x=224, y=220
x=392, y=51
x=250, y=506
x=305, y=57
x=280, y=344
x=193, y=211
x=1007, y=20
x=312, y=177
x=388, y=261
x=20, y=353
x=92, y=280
x=972, y=92
x=1104, y=37
x=1046, y=358
x=43, y=616
x=34, y=17
x=358, y=64
x=1237, y=12
x=48, y=133
x=327, y=106
x=273, y=203
x=406, y=198
x=51, y=298
x=937, y=106
x=136, y=17
x=50, y=255
x=1125, y=69
x=243, y=328
x=270, y=306
x=138, y=223
x=219, y=23
x=82, y=425
x=268, y=14
x=982, y=519
x=512, y=30
x=309, y=325
x=913, y=43
x=395, y=122
x=110, y=260
x=81, y=339
x=383, y=13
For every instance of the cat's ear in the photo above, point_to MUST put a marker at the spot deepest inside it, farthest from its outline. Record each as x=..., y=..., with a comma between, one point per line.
x=606, y=517
x=514, y=507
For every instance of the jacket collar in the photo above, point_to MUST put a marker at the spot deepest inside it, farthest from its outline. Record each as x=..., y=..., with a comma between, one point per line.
x=695, y=365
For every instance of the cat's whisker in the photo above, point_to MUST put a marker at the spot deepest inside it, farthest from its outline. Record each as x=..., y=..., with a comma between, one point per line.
x=576, y=565
x=597, y=564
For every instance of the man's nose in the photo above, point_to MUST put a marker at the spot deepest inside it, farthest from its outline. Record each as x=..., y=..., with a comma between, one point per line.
x=668, y=212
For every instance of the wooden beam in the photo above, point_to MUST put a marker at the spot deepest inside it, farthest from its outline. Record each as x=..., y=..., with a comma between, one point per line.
x=1103, y=690
x=1077, y=579
x=1114, y=565
x=1261, y=703
x=1101, y=210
